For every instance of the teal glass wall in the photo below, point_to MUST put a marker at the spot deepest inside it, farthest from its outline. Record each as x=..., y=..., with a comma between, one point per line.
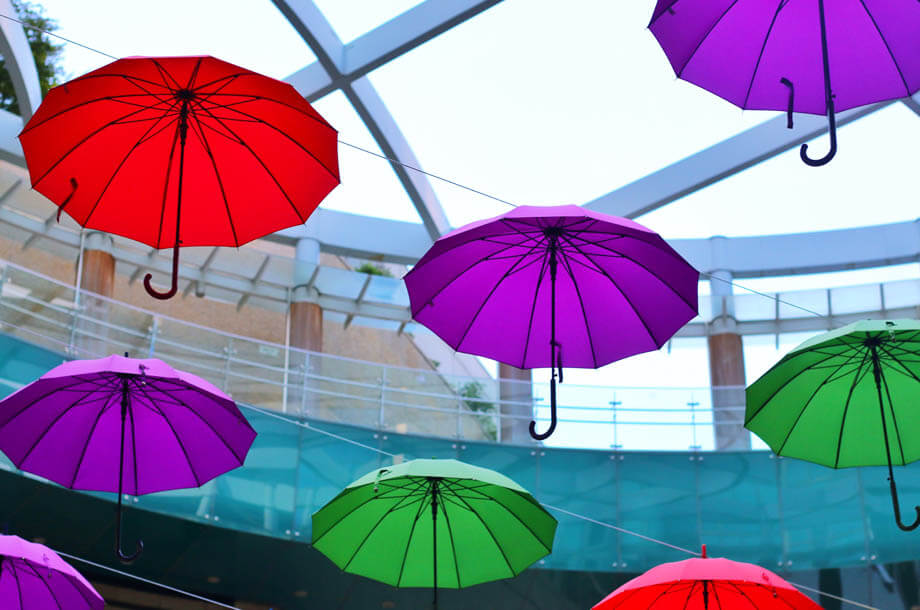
x=783, y=514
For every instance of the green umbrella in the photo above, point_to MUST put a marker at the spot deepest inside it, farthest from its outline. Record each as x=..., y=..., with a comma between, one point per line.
x=433, y=523
x=845, y=398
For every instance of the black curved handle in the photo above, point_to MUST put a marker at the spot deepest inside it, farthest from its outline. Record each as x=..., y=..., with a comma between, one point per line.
x=832, y=123
x=897, y=509
x=552, y=411
x=789, y=110
x=122, y=556
x=175, y=279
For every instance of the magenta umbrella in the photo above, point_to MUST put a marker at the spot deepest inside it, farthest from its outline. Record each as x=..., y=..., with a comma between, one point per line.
x=553, y=286
x=794, y=55
x=33, y=577
x=125, y=425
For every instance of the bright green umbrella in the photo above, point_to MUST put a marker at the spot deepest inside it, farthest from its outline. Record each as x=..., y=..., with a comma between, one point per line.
x=434, y=523
x=849, y=397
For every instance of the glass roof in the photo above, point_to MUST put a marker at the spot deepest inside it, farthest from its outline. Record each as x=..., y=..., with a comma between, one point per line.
x=351, y=18
x=251, y=33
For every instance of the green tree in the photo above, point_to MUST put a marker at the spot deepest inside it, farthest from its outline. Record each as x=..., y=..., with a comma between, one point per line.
x=47, y=54
x=472, y=393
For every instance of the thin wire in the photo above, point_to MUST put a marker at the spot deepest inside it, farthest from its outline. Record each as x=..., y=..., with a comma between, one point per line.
x=430, y=175
x=763, y=294
x=315, y=429
x=148, y=581
x=37, y=29
x=620, y=529
x=842, y=599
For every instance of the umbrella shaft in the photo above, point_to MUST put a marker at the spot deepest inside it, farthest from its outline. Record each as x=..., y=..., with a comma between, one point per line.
x=434, y=537
x=877, y=373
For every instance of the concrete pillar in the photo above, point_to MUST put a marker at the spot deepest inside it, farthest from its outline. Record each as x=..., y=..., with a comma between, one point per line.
x=97, y=276
x=726, y=368
x=306, y=323
x=515, y=385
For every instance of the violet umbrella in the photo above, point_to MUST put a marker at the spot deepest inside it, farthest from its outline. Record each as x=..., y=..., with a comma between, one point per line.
x=793, y=55
x=121, y=424
x=552, y=287
x=33, y=577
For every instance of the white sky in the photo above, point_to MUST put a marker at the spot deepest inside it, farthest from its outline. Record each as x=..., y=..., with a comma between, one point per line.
x=543, y=105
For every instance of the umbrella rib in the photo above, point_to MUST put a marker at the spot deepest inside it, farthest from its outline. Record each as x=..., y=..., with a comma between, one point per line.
x=79, y=589
x=89, y=438
x=374, y=528
x=742, y=593
x=29, y=565
x=772, y=591
x=223, y=193
x=856, y=380
x=763, y=48
x=54, y=422
x=494, y=289
x=715, y=593
x=124, y=160
x=894, y=420
x=402, y=566
x=705, y=36
x=269, y=125
x=793, y=378
x=629, y=302
x=453, y=546
x=195, y=412
x=887, y=46
x=12, y=563
x=259, y=159
x=164, y=75
x=107, y=98
x=846, y=407
x=217, y=400
x=690, y=594
x=37, y=399
x=84, y=141
x=169, y=165
x=346, y=515
x=567, y=265
x=257, y=98
x=491, y=534
x=670, y=252
x=533, y=307
x=514, y=514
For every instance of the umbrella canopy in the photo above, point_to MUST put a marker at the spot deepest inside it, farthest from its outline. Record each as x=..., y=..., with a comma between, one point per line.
x=707, y=584
x=33, y=577
x=125, y=425
x=434, y=523
x=190, y=151
x=845, y=398
x=794, y=56
x=552, y=287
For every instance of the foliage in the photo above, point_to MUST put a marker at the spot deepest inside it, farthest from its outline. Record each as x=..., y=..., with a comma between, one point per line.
x=46, y=53
x=472, y=392
x=372, y=269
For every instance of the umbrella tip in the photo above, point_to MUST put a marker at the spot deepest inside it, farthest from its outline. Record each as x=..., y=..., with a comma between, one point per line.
x=704, y=551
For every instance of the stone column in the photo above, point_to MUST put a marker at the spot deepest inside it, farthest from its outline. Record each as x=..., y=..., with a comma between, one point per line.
x=726, y=368
x=515, y=385
x=306, y=323
x=97, y=277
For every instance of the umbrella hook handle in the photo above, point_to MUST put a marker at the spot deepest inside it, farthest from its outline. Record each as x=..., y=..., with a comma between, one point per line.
x=897, y=509
x=175, y=279
x=73, y=190
x=122, y=556
x=557, y=366
x=789, y=110
x=832, y=130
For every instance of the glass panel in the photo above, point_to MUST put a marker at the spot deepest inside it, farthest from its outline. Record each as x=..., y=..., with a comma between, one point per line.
x=802, y=304
x=352, y=18
x=856, y=299
x=905, y=293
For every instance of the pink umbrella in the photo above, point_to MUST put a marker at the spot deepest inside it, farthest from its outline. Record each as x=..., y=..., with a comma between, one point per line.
x=33, y=577
x=707, y=584
x=553, y=286
x=135, y=426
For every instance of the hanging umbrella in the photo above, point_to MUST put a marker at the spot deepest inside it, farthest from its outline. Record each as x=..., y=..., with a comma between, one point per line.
x=845, y=398
x=707, y=584
x=121, y=149
x=125, y=425
x=552, y=287
x=33, y=577
x=794, y=56
x=433, y=523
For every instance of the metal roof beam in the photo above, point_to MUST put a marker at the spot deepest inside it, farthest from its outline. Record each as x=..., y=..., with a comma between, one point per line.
x=316, y=31
x=719, y=161
x=15, y=49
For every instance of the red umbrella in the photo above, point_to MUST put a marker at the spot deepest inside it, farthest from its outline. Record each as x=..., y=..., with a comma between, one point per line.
x=121, y=149
x=707, y=584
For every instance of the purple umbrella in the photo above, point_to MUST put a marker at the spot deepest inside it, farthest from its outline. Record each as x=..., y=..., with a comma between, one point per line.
x=135, y=426
x=496, y=287
x=793, y=55
x=33, y=577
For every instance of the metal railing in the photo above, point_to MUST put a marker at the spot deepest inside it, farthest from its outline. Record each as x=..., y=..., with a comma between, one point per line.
x=56, y=316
